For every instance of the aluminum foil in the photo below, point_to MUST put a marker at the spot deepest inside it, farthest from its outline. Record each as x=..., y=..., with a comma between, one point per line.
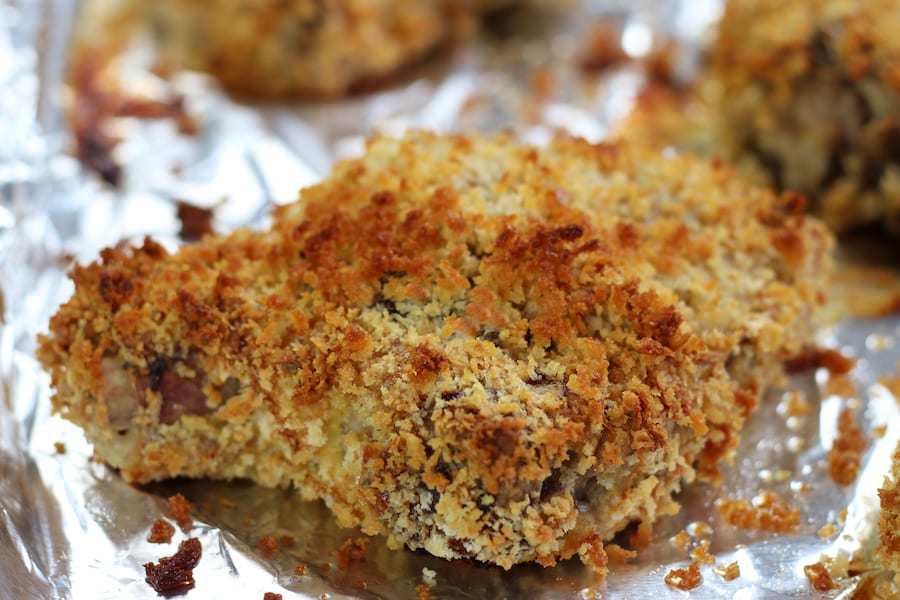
x=70, y=528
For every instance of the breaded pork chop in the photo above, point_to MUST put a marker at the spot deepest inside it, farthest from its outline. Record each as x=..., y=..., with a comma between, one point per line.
x=465, y=344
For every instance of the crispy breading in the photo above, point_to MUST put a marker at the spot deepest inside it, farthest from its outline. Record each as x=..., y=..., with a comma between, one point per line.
x=471, y=346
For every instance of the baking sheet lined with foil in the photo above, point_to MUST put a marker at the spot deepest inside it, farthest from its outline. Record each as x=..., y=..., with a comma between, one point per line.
x=70, y=528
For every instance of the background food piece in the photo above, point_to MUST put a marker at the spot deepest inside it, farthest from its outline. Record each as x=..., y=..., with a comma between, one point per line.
x=807, y=96
x=474, y=347
x=260, y=48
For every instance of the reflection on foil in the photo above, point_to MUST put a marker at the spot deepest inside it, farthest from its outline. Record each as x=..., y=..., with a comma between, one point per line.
x=71, y=528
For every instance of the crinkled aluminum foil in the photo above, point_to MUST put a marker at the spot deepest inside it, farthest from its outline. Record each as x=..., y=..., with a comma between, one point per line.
x=70, y=528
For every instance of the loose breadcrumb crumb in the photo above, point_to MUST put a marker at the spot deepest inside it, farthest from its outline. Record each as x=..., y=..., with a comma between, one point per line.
x=352, y=550
x=59, y=447
x=428, y=576
x=700, y=529
x=618, y=555
x=267, y=545
x=828, y=530
x=879, y=431
x=794, y=404
x=818, y=576
x=161, y=532
x=728, y=572
x=423, y=591
x=300, y=569
x=768, y=512
x=701, y=554
x=272, y=596
x=685, y=579
x=680, y=540
x=845, y=456
x=175, y=574
x=180, y=510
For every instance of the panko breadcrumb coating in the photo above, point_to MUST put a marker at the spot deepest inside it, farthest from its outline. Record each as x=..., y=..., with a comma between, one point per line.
x=470, y=346
x=808, y=95
x=261, y=48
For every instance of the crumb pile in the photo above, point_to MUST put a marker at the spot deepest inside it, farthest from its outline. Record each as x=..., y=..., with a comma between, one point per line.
x=470, y=346
x=807, y=93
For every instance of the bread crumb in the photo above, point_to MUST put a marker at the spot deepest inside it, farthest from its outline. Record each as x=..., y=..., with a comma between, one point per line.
x=59, y=447
x=428, y=575
x=892, y=383
x=423, y=592
x=700, y=529
x=680, y=540
x=300, y=569
x=267, y=545
x=819, y=577
x=180, y=510
x=352, y=550
x=845, y=456
x=827, y=531
x=840, y=385
x=618, y=555
x=879, y=431
x=701, y=554
x=728, y=572
x=685, y=579
x=175, y=574
x=794, y=404
x=271, y=596
x=767, y=512
x=161, y=532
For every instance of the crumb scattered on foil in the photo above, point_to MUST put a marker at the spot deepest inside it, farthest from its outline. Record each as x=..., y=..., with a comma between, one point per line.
x=845, y=456
x=161, y=532
x=728, y=572
x=685, y=579
x=767, y=511
x=180, y=510
x=175, y=574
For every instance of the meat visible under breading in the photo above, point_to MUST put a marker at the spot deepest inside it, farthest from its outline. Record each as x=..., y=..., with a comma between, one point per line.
x=468, y=345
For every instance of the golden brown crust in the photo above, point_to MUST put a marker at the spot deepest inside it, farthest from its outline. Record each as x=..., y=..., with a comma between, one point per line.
x=474, y=347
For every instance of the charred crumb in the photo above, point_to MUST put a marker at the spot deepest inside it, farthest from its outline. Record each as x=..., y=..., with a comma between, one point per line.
x=161, y=532
x=601, y=48
x=174, y=574
x=196, y=221
x=685, y=579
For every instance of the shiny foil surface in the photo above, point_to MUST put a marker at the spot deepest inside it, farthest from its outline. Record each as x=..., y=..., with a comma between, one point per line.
x=70, y=528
